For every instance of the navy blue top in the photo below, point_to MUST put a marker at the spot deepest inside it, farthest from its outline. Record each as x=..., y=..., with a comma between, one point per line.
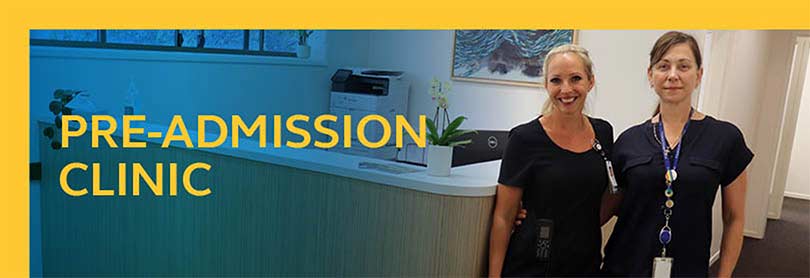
x=713, y=154
x=560, y=185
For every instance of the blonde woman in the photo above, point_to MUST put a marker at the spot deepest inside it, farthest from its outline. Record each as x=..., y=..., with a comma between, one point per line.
x=553, y=165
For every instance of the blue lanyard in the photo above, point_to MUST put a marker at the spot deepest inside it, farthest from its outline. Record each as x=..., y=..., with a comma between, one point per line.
x=671, y=166
x=665, y=235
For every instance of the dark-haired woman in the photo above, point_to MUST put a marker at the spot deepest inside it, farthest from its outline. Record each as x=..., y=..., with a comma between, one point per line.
x=670, y=168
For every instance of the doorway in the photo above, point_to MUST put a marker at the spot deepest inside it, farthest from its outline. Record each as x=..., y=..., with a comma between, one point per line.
x=791, y=135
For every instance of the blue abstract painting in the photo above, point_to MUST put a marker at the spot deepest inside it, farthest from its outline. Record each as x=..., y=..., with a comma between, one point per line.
x=512, y=57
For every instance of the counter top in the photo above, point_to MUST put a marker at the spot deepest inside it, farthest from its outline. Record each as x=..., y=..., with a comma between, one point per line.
x=475, y=180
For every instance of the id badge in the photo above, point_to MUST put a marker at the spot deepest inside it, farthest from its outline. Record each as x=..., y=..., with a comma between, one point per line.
x=614, y=186
x=662, y=267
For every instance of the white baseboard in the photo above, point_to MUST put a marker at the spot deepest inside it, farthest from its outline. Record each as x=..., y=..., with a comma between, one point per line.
x=753, y=234
x=797, y=195
x=716, y=255
x=714, y=258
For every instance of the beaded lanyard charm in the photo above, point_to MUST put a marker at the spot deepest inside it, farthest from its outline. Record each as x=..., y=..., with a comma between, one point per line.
x=665, y=235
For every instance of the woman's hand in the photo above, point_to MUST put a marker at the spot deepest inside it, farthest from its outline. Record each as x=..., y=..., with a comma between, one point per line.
x=609, y=207
x=521, y=215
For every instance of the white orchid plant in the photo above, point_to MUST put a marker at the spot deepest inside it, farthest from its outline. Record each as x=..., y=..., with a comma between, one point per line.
x=303, y=35
x=449, y=132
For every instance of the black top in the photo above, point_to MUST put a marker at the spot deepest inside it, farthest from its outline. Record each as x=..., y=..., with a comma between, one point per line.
x=713, y=153
x=560, y=185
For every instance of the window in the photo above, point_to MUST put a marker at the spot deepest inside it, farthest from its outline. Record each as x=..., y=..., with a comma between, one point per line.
x=224, y=39
x=280, y=40
x=143, y=37
x=65, y=35
x=245, y=42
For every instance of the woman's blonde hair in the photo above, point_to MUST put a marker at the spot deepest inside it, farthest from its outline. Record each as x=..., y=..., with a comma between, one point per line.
x=581, y=52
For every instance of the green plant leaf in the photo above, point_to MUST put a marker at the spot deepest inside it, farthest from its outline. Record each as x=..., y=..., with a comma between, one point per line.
x=57, y=93
x=455, y=134
x=452, y=127
x=65, y=95
x=459, y=132
x=460, y=143
x=432, y=133
x=456, y=123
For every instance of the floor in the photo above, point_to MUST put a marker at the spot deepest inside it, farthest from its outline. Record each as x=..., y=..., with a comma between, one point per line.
x=785, y=250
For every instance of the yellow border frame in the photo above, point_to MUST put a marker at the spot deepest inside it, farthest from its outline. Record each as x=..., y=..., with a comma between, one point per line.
x=17, y=18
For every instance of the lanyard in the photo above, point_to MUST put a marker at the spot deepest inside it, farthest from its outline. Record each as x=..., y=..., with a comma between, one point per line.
x=614, y=186
x=665, y=235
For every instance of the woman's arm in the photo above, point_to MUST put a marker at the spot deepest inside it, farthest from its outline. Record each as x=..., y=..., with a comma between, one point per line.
x=507, y=200
x=610, y=206
x=733, y=222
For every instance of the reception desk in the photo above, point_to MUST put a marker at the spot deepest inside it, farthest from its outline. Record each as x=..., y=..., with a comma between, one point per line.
x=278, y=212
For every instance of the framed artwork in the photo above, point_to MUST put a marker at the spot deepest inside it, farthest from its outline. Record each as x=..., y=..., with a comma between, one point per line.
x=512, y=57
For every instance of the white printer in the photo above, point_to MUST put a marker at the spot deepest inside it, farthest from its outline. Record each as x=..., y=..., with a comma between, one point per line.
x=362, y=92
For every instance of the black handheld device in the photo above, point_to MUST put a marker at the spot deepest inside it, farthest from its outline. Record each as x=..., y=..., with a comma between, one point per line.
x=545, y=229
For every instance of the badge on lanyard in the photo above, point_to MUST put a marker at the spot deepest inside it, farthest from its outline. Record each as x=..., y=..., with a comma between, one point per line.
x=614, y=186
x=662, y=267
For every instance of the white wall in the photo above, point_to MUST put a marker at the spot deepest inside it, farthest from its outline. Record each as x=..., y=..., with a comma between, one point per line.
x=798, y=180
x=780, y=111
x=620, y=59
x=425, y=54
x=733, y=92
x=745, y=90
x=189, y=84
x=622, y=93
